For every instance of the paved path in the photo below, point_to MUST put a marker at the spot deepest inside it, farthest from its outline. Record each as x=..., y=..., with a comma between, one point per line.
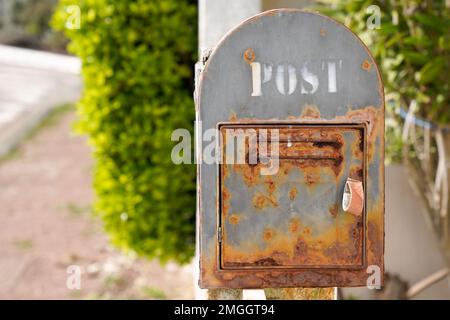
x=47, y=225
x=31, y=84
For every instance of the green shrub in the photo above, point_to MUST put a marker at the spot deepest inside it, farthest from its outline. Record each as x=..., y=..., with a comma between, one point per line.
x=137, y=68
x=412, y=47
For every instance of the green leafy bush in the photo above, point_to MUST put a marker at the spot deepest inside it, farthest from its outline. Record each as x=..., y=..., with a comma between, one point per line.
x=412, y=46
x=137, y=68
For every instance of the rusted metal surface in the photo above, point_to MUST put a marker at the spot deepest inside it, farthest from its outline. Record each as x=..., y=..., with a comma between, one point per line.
x=300, y=293
x=249, y=55
x=291, y=219
x=289, y=229
x=224, y=294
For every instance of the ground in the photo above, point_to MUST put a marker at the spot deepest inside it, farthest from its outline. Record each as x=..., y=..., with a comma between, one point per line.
x=47, y=225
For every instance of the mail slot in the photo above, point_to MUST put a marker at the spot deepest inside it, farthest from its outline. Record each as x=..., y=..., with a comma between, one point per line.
x=296, y=196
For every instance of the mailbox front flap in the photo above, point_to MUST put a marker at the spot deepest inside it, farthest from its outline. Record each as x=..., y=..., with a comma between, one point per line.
x=306, y=75
x=293, y=218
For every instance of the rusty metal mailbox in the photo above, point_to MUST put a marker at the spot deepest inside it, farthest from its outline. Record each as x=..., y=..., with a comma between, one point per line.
x=305, y=206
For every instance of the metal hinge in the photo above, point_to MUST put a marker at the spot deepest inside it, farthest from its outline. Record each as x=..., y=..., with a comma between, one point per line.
x=219, y=234
x=199, y=66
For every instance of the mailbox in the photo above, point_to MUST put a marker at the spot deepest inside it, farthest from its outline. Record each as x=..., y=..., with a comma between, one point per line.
x=299, y=202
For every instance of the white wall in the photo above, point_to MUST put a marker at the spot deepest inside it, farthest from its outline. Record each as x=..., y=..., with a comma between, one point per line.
x=217, y=17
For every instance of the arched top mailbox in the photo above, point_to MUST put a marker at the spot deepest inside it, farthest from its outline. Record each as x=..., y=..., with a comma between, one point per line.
x=301, y=203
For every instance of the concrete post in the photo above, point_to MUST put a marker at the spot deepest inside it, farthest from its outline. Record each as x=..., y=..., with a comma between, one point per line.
x=216, y=18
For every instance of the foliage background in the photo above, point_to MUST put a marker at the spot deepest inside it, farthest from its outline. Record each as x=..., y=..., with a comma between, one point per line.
x=138, y=58
x=412, y=47
x=137, y=65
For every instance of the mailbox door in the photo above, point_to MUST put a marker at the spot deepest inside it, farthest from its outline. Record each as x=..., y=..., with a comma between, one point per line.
x=292, y=218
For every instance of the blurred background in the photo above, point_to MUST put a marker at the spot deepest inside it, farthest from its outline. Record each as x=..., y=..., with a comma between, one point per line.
x=90, y=91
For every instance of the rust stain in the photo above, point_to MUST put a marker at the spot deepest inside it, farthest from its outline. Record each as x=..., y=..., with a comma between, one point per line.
x=250, y=174
x=374, y=119
x=225, y=201
x=224, y=171
x=306, y=231
x=270, y=185
x=312, y=176
x=249, y=55
x=358, y=145
x=374, y=236
x=305, y=248
x=234, y=219
x=356, y=173
x=261, y=201
x=298, y=250
x=225, y=194
x=212, y=278
x=266, y=262
x=310, y=111
x=368, y=114
x=366, y=65
x=323, y=32
x=334, y=209
x=293, y=193
x=301, y=248
x=268, y=234
x=308, y=148
x=294, y=225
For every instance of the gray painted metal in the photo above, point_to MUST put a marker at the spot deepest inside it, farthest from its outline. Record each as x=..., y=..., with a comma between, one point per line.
x=311, y=45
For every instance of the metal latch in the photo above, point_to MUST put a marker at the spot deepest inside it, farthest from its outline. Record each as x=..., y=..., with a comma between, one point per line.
x=353, y=197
